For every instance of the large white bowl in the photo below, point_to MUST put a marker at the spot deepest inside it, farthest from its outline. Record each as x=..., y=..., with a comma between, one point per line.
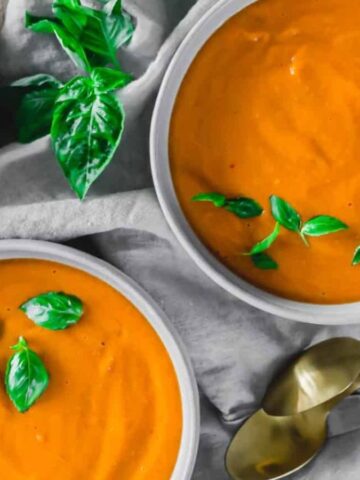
x=159, y=139
x=15, y=249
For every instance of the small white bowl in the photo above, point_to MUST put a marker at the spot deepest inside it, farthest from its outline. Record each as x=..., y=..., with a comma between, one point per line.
x=15, y=249
x=159, y=138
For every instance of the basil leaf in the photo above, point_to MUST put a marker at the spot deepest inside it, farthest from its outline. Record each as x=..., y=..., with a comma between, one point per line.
x=267, y=242
x=216, y=199
x=27, y=105
x=285, y=214
x=70, y=44
x=322, y=225
x=34, y=117
x=244, y=207
x=86, y=132
x=264, y=261
x=34, y=114
x=26, y=377
x=356, y=257
x=106, y=79
x=53, y=310
x=118, y=24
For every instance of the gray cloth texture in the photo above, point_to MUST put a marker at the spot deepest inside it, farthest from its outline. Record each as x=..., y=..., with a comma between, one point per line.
x=235, y=349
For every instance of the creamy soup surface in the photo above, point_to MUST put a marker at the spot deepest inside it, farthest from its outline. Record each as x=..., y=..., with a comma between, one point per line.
x=112, y=409
x=271, y=105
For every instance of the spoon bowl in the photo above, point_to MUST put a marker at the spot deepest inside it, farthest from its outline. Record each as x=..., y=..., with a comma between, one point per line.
x=272, y=447
x=321, y=373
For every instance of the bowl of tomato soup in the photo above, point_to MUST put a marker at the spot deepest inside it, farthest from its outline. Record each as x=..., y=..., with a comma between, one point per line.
x=254, y=148
x=121, y=398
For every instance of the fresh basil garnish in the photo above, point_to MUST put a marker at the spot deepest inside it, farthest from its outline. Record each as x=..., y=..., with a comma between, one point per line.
x=267, y=242
x=356, y=257
x=86, y=131
x=84, y=117
x=322, y=225
x=26, y=377
x=263, y=261
x=35, y=111
x=242, y=207
x=53, y=310
x=285, y=214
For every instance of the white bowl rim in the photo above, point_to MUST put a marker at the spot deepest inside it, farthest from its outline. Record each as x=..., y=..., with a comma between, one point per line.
x=335, y=314
x=41, y=250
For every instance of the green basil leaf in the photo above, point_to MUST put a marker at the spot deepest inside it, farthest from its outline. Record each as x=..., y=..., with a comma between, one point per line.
x=26, y=377
x=216, y=199
x=69, y=43
x=322, y=225
x=243, y=207
x=27, y=104
x=356, y=257
x=106, y=79
x=285, y=214
x=34, y=115
x=267, y=242
x=118, y=24
x=86, y=132
x=53, y=310
x=264, y=261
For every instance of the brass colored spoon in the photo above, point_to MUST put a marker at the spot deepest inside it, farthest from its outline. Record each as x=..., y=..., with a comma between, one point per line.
x=272, y=447
x=321, y=373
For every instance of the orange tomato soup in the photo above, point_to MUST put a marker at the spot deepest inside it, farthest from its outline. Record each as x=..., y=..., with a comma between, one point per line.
x=112, y=409
x=271, y=105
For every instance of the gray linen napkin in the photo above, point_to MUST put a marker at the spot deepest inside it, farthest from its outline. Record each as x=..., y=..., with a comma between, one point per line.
x=235, y=348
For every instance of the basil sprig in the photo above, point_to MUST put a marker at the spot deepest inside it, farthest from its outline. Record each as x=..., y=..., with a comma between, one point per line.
x=84, y=116
x=53, y=310
x=286, y=216
x=26, y=377
x=242, y=207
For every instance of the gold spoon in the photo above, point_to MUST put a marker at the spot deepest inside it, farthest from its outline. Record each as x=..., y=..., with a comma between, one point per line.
x=271, y=447
x=319, y=374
